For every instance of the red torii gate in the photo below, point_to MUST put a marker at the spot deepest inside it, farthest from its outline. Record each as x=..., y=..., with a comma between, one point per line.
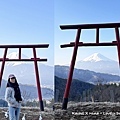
x=34, y=59
x=77, y=44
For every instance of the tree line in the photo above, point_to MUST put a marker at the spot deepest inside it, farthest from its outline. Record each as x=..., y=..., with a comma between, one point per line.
x=102, y=93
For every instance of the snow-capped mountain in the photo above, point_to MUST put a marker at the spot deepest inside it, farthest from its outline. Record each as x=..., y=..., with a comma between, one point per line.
x=28, y=91
x=14, y=55
x=96, y=57
x=25, y=71
x=86, y=75
x=99, y=63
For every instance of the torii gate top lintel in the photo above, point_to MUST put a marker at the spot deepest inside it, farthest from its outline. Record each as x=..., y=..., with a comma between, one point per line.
x=26, y=46
x=90, y=26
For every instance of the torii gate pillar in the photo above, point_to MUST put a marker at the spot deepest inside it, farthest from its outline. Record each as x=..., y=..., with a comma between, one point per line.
x=69, y=80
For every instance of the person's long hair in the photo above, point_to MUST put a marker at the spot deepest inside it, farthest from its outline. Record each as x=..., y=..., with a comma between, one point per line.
x=8, y=83
x=16, y=88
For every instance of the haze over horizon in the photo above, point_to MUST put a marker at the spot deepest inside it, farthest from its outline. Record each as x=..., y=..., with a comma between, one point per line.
x=93, y=57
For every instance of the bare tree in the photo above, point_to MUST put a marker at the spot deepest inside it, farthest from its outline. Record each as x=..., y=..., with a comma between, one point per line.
x=26, y=95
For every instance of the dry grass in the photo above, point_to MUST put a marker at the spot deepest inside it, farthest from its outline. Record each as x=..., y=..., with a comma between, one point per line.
x=88, y=111
x=30, y=114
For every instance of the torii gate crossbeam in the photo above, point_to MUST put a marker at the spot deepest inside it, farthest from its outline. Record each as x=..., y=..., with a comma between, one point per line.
x=77, y=44
x=34, y=59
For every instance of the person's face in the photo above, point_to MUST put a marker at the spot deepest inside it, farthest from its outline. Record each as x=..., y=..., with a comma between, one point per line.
x=12, y=80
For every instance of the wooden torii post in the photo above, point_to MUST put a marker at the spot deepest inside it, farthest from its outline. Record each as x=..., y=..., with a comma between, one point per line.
x=77, y=44
x=34, y=59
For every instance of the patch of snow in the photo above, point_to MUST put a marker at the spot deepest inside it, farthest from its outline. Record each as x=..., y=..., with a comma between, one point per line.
x=115, y=82
x=40, y=118
x=96, y=57
x=23, y=118
x=6, y=114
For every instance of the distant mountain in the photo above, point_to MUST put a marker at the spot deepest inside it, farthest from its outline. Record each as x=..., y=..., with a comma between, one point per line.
x=25, y=71
x=96, y=57
x=14, y=55
x=76, y=90
x=99, y=63
x=28, y=91
x=86, y=75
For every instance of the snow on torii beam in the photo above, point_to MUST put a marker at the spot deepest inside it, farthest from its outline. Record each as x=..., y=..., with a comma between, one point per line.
x=77, y=44
x=34, y=59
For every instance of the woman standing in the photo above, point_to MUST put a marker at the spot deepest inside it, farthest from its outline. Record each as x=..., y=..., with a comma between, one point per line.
x=13, y=97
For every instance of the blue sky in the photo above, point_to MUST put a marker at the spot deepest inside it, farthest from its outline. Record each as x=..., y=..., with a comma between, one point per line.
x=28, y=22
x=84, y=12
x=38, y=21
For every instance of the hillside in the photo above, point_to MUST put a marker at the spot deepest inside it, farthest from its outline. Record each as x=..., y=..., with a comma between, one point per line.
x=76, y=89
x=86, y=92
x=28, y=91
x=86, y=75
x=103, y=93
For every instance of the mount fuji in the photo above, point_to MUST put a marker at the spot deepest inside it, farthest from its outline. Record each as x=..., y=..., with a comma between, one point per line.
x=25, y=72
x=96, y=57
x=99, y=63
